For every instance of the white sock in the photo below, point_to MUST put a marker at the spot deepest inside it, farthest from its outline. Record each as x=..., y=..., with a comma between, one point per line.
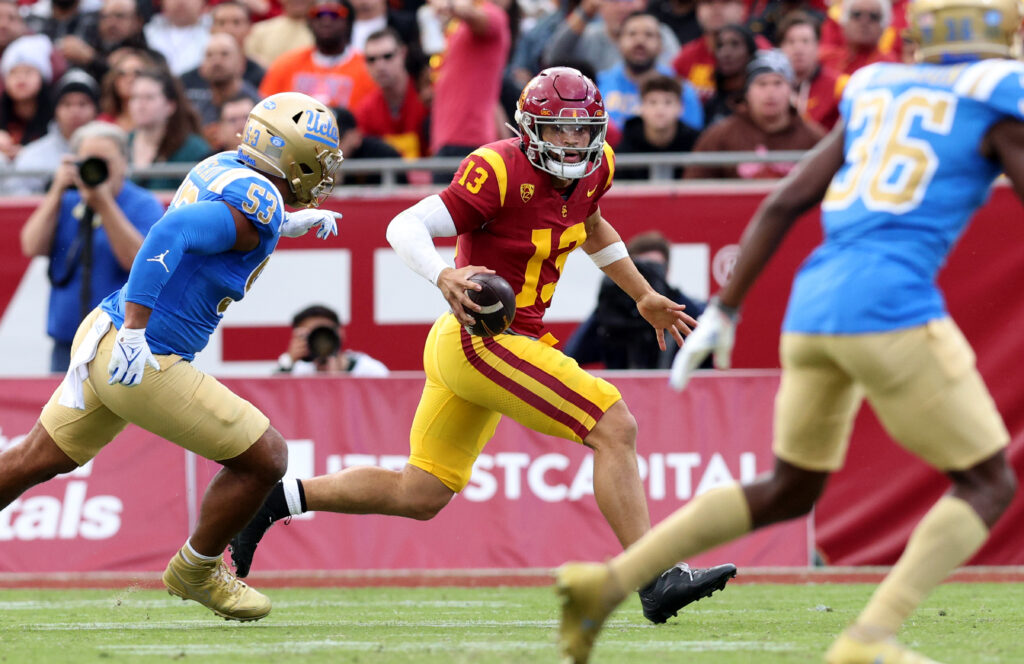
x=193, y=556
x=291, y=496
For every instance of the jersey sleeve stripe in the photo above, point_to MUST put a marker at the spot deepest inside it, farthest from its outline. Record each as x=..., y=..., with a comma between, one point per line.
x=497, y=165
x=980, y=80
x=223, y=180
x=609, y=157
x=473, y=348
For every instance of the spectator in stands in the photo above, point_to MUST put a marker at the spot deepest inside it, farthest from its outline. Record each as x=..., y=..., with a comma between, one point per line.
x=12, y=25
x=370, y=16
x=528, y=50
x=270, y=39
x=696, y=61
x=87, y=230
x=863, y=22
x=116, y=88
x=394, y=111
x=318, y=346
x=330, y=71
x=818, y=87
x=179, y=33
x=233, y=18
x=657, y=128
x=76, y=99
x=465, y=108
x=118, y=26
x=615, y=334
x=767, y=23
x=680, y=16
x=640, y=46
x=892, y=42
x=582, y=37
x=25, y=105
x=166, y=127
x=734, y=50
x=66, y=17
x=233, y=114
x=766, y=121
x=217, y=79
x=356, y=145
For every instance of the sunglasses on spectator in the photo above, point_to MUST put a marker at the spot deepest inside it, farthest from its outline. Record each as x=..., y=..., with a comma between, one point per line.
x=370, y=59
x=857, y=14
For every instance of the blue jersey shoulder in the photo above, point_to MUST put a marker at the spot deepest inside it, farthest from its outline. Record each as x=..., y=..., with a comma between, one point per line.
x=998, y=84
x=223, y=177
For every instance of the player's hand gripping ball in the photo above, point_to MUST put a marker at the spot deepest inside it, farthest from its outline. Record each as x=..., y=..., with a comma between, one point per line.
x=497, y=302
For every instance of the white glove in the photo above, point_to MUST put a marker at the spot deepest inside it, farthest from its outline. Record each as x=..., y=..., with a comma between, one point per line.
x=715, y=332
x=297, y=224
x=129, y=357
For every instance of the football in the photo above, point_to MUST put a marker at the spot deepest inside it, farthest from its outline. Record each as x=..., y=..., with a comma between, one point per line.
x=498, y=302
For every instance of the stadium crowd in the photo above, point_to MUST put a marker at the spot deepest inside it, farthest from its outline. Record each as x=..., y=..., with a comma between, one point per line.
x=435, y=78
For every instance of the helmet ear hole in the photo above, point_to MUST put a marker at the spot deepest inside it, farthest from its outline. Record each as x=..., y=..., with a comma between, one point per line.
x=305, y=168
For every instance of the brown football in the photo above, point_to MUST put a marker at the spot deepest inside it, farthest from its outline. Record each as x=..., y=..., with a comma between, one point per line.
x=498, y=302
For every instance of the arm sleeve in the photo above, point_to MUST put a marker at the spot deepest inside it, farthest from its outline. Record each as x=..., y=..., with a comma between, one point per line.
x=412, y=234
x=198, y=228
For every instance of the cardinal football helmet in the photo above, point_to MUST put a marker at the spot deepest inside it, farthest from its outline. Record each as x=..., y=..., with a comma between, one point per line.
x=948, y=31
x=295, y=137
x=562, y=96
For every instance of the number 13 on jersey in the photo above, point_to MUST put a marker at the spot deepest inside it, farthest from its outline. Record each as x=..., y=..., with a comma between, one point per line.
x=544, y=244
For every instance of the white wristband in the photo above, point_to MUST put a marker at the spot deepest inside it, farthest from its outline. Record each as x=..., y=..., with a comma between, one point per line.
x=608, y=255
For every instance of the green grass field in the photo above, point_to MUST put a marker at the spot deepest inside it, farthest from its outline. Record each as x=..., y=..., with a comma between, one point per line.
x=960, y=624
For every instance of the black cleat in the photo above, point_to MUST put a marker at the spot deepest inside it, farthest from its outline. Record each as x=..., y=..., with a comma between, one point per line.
x=680, y=586
x=243, y=545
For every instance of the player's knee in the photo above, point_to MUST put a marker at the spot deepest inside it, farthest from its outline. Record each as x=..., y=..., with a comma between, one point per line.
x=616, y=430
x=791, y=497
x=426, y=508
x=271, y=456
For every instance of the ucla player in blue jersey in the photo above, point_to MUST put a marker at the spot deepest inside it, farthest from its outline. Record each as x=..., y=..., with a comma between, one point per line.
x=131, y=357
x=898, y=179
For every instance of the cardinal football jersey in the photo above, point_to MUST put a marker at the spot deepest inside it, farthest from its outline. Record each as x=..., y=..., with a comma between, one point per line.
x=511, y=219
x=912, y=178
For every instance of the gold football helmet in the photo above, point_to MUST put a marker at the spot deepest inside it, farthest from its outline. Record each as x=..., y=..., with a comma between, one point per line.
x=947, y=31
x=295, y=137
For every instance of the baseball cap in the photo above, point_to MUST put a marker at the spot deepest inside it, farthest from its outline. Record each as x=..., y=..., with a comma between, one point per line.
x=76, y=80
x=328, y=7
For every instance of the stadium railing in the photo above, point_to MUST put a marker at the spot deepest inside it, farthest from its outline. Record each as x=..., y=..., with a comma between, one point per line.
x=659, y=165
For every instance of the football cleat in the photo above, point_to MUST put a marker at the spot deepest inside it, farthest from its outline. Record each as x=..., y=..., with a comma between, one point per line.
x=243, y=545
x=680, y=586
x=849, y=650
x=215, y=587
x=589, y=594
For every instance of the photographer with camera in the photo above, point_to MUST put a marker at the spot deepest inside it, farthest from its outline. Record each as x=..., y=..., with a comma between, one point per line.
x=90, y=225
x=317, y=346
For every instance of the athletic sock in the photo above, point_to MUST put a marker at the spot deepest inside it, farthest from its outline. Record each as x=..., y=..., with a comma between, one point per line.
x=193, y=557
x=289, y=497
x=948, y=535
x=718, y=516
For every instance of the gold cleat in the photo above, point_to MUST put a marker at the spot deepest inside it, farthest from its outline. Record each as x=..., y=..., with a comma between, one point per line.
x=215, y=587
x=589, y=594
x=849, y=650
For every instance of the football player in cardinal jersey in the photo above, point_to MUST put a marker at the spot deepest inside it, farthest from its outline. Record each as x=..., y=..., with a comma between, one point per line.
x=131, y=358
x=898, y=180
x=518, y=207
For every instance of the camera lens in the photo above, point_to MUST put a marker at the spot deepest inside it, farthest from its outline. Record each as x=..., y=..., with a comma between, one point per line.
x=93, y=171
x=322, y=342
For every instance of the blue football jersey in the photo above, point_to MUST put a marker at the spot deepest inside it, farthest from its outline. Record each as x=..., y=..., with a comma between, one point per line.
x=194, y=299
x=912, y=177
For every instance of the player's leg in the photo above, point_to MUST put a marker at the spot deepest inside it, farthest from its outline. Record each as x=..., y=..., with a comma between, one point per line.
x=196, y=412
x=925, y=388
x=814, y=410
x=446, y=436
x=34, y=460
x=61, y=440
